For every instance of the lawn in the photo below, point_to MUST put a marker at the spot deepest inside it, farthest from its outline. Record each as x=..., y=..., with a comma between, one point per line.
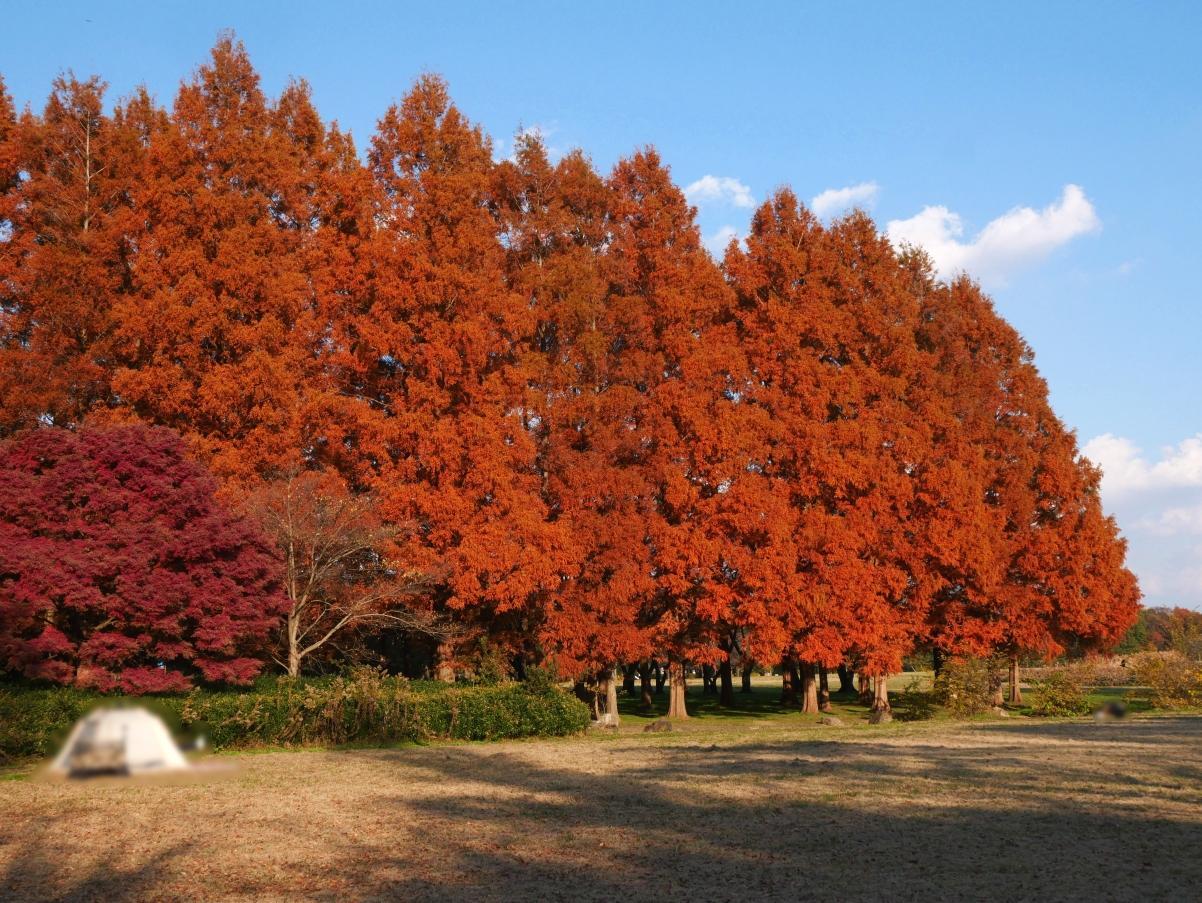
x=752, y=806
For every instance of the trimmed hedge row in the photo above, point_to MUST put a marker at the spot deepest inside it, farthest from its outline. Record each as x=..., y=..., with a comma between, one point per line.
x=366, y=708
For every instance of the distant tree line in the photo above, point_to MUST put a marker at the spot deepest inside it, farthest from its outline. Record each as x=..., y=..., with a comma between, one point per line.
x=1163, y=629
x=510, y=409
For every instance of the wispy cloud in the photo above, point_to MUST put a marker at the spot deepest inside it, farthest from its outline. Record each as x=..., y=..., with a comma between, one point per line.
x=837, y=200
x=1006, y=244
x=717, y=241
x=719, y=189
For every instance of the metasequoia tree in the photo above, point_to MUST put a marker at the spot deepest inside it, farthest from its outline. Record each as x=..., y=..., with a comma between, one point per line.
x=66, y=255
x=1020, y=581
x=218, y=337
x=672, y=359
x=440, y=351
x=119, y=569
x=337, y=574
x=555, y=220
x=829, y=331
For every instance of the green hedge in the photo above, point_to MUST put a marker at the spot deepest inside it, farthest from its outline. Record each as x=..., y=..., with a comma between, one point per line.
x=367, y=708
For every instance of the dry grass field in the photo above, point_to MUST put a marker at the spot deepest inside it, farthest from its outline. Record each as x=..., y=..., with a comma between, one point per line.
x=1019, y=810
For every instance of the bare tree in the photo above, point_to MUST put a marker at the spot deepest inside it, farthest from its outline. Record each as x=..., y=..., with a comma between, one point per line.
x=337, y=575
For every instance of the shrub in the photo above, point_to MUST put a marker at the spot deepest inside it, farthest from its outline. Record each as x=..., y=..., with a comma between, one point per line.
x=1062, y=692
x=34, y=722
x=1172, y=680
x=366, y=707
x=914, y=703
x=965, y=687
x=541, y=679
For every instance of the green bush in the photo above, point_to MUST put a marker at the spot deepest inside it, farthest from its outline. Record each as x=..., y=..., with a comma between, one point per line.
x=1062, y=692
x=914, y=703
x=965, y=687
x=33, y=722
x=366, y=707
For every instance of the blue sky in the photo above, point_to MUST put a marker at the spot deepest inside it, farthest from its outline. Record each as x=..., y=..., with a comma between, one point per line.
x=944, y=120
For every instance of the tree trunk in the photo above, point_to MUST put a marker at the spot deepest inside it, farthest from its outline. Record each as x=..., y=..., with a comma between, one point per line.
x=1016, y=693
x=588, y=696
x=676, y=691
x=788, y=690
x=628, y=675
x=726, y=696
x=997, y=685
x=444, y=671
x=661, y=677
x=709, y=685
x=809, y=689
x=846, y=681
x=294, y=657
x=866, y=696
x=645, y=701
x=937, y=660
x=747, y=669
x=880, y=700
x=824, y=690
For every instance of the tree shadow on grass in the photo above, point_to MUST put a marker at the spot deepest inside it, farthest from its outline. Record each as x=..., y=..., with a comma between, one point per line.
x=877, y=827
x=33, y=871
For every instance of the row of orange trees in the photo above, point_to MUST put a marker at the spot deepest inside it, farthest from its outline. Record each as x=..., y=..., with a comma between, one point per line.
x=609, y=445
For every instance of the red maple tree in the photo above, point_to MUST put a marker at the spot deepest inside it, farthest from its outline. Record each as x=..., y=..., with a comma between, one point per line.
x=119, y=569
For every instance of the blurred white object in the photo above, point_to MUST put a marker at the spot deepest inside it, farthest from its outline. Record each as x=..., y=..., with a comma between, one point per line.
x=119, y=741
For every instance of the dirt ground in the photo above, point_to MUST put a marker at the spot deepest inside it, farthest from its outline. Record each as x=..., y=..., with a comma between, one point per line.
x=1018, y=811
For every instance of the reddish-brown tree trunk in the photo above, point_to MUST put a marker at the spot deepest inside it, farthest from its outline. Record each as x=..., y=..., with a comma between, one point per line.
x=676, y=691
x=824, y=690
x=645, y=701
x=1016, y=692
x=847, y=682
x=747, y=669
x=865, y=682
x=726, y=693
x=788, y=689
x=809, y=689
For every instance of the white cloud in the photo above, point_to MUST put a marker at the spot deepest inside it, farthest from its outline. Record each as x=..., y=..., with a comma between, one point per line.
x=1157, y=500
x=837, y=200
x=1125, y=468
x=718, y=241
x=1173, y=521
x=719, y=189
x=1013, y=240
